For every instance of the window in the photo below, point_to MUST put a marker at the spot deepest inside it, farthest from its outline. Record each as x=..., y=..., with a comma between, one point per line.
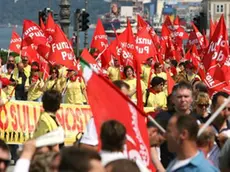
x=219, y=8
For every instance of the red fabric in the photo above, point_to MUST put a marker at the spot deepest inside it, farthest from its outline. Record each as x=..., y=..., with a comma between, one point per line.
x=61, y=51
x=105, y=108
x=216, y=60
x=33, y=34
x=100, y=40
x=15, y=43
x=5, y=81
x=144, y=45
x=170, y=82
x=142, y=24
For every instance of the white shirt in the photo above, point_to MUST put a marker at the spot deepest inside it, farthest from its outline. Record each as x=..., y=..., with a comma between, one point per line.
x=107, y=157
x=90, y=136
x=22, y=165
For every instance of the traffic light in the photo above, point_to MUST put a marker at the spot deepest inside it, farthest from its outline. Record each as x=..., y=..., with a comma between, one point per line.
x=196, y=21
x=81, y=20
x=76, y=20
x=44, y=14
x=85, y=21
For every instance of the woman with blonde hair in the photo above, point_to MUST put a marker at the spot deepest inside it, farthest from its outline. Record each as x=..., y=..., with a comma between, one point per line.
x=201, y=105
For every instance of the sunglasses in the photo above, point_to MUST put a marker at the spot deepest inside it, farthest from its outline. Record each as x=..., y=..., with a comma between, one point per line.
x=54, y=72
x=11, y=61
x=227, y=108
x=5, y=161
x=203, y=105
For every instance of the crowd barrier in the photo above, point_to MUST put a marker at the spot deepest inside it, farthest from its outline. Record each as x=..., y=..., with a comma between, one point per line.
x=18, y=120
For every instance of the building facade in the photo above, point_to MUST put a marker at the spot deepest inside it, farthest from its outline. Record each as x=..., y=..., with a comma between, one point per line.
x=215, y=8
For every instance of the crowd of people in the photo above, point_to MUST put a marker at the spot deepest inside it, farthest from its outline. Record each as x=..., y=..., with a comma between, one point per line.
x=181, y=113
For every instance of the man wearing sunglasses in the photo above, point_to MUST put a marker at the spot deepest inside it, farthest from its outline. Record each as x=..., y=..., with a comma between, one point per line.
x=10, y=60
x=4, y=156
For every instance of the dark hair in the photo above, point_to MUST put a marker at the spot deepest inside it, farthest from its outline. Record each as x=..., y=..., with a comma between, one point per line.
x=120, y=84
x=126, y=68
x=174, y=63
x=4, y=146
x=181, y=85
x=201, y=87
x=182, y=64
x=156, y=81
x=75, y=159
x=56, y=70
x=112, y=135
x=10, y=66
x=189, y=123
x=35, y=64
x=51, y=100
x=218, y=94
x=123, y=165
x=157, y=65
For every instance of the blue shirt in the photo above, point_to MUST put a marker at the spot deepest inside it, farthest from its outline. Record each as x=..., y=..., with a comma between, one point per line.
x=197, y=164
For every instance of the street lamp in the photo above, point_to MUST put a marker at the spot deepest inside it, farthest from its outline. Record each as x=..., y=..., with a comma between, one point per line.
x=65, y=16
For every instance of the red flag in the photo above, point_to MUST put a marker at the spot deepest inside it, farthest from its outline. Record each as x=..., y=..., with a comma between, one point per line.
x=44, y=66
x=197, y=39
x=100, y=40
x=92, y=62
x=142, y=24
x=212, y=28
x=50, y=28
x=61, y=51
x=218, y=49
x=144, y=46
x=123, y=48
x=15, y=43
x=31, y=52
x=42, y=25
x=170, y=82
x=216, y=60
x=33, y=34
x=104, y=108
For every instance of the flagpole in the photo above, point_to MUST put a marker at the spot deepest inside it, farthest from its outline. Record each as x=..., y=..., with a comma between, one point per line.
x=156, y=124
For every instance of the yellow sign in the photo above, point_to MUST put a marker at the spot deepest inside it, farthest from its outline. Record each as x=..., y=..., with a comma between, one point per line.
x=18, y=120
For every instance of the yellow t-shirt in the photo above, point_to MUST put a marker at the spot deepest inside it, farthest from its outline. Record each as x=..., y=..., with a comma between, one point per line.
x=54, y=84
x=27, y=71
x=157, y=100
x=35, y=91
x=74, y=92
x=162, y=75
x=145, y=74
x=192, y=77
x=9, y=89
x=62, y=72
x=114, y=73
x=45, y=124
x=132, y=84
x=3, y=96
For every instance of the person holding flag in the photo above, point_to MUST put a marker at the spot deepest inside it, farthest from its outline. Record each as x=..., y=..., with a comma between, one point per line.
x=35, y=84
x=131, y=81
x=74, y=89
x=114, y=70
x=53, y=82
x=146, y=70
x=9, y=90
x=155, y=96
